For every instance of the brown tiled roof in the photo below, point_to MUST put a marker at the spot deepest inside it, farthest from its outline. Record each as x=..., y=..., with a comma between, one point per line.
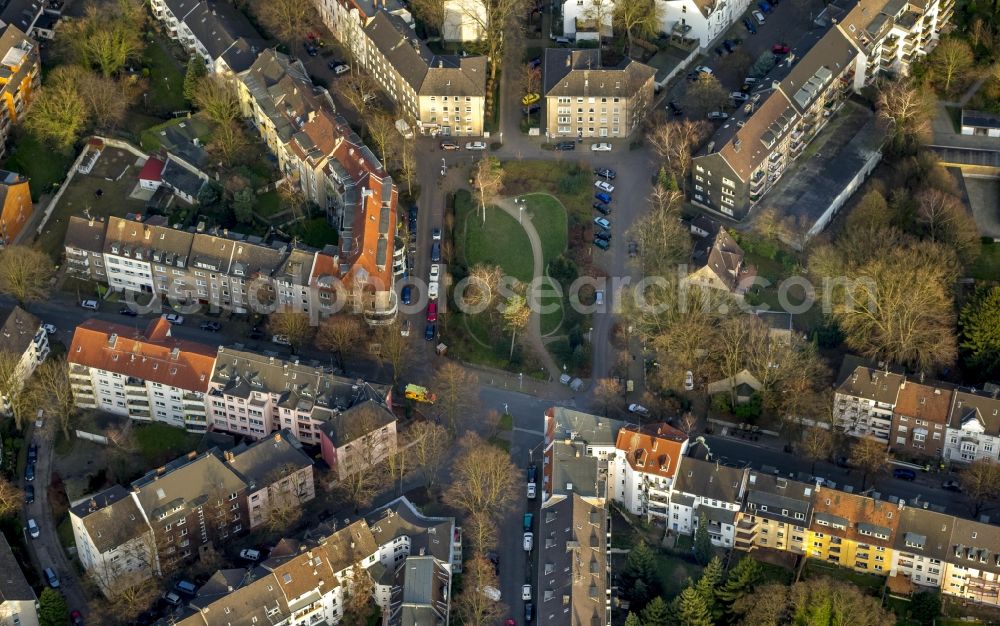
x=85, y=234
x=155, y=356
x=725, y=258
x=872, y=384
x=305, y=573
x=349, y=545
x=746, y=150
x=580, y=73
x=923, y=402
x=864, y=516
x=18, y=331
x=654, y=450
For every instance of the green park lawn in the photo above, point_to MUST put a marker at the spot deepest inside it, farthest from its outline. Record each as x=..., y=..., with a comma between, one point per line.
x=43, y=166
x=564, y=179
x=500, y=241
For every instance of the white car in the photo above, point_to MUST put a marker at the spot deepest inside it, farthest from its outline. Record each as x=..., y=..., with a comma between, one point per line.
x=529, y=541
x=602, y=222
x=432, y=291
x=531, y=491
x=638, y=409
x=718, y=115
x=601, y=147
x=605, y=186
x=281, y=340
x=757, y=15
x=526, y=593
x=250, y=554
x=688, y=380
x=598, y=297
x=174, y=318
x=90, y=304
x=404, y=328
x=475, y=145
x=435, y=272
x=49, y=328
x=33, y=528
x=702, y=69
x=739, y=96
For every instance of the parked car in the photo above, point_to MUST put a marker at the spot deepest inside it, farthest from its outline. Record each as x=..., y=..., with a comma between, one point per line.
x=703, y=69
x=49, y=329
x=535, y=108
x=171, y=598
x=250, y=554
x=526, y=592
x=603, y=223
x=436, y=252
x=730, y=44
x=757, y=15
x=720, y=51
x=174, y=318
x=602, y=243
x=404, y=329
x=529, y=612
x=435, y=273
x=601, y=147
x=603, y=209
x=281, y=340
x=904, y=473
x=432, y=312
x=213, y=327
x=432, y=291
x=29, y=494
x=603, y=197
x=535, y=62
x=406, y=294
x=436, y=234
x=605, y=186
x=688, y=380
x=449, y=145
x=529, y=541
x=638, y=409
x=343, y=68
x=749, y=26
x=29, y=472
x=126, y=311
x=603, y=234
x=494, y=558
x=765, y=7
x=605, y=172
x=599, y=297
x=738, y=96
x=675, y=108
x=564, y=146
x=76, y=618
x=780, y=48
x=185, y=587
x=429, y=332
x=475, y=145
x=530, y=99
x=32, y=452
x=51, y=578
x=255, y=333
x=33, y=528
x=952, y=485
x=718, y=115
x=90, y=304
x=531, y=491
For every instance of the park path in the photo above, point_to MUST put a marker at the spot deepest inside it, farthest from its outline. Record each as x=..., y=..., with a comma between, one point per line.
x=534, y=334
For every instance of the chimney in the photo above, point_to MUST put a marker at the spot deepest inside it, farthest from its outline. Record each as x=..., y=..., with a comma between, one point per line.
x=277, y=437
x=230, y=457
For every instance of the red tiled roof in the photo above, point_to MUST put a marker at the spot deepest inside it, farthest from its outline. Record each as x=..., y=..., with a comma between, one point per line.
x=656, y=449
x=154, y=356
x=152, y=170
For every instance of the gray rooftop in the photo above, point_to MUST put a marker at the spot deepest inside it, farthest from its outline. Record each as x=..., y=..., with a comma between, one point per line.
x=430, y=535
x=111, y=518
x=265, y=461
x=17, y=331
x=711, y=480
x=13, y=585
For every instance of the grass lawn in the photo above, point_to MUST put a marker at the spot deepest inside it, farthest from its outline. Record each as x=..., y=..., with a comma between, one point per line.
x=674, y=573
x=43, y=166
x=501, y=443
x=166, y=80
x=150, y=139
x=549, y=218
x=564, y=179
x=268, y=204
x=159, y=443
x=315, y=232
x=986, y=267
x=506, y=422
x=501, y=241
x=870, y=582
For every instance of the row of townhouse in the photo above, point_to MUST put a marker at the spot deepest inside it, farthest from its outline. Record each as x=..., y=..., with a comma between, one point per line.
x=929, y=421
x=409, y=556
x=752, y=149
x=196, y=503
x=214, y=30
x=238, y=273
x=153, y=377
x=650, y=472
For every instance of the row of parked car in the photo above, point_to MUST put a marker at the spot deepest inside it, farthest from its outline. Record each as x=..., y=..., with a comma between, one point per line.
x=602, y=232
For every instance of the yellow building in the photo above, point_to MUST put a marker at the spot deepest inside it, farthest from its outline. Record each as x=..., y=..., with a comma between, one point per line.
x=19, y=79
x=852, y=531
x=15, y=206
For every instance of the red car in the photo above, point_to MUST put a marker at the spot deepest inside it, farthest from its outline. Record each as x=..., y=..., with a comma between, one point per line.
x=432, y=312
x=76, y=618
x=780, y=48
x=509, y=622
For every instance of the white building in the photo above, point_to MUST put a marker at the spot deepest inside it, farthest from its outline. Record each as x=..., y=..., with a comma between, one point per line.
x=580, y=18
x=864, y=400
x=973, y=567
x=921, y=545
x=216, y=31
x=464, y=20
x=700, y=20
x=644, y=466
x=973, y=427
x=148, y=377
x=17, y=599
x=23, y=338
x=711, y=490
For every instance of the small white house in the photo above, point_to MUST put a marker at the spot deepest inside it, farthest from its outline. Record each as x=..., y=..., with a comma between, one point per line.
x=580, y=18
x=151, y=174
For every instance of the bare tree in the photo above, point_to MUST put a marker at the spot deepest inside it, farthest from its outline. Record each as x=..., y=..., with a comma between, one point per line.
x=430, y=12
x=494, y=18
x=530, y=78
x=107, y=99
x=25, y=273
x=638, y=19
x=705, y=95
x=51, y=388
x=907, y=110
x=675, y=142
x=473, y=605
x=608, y=394
x=817, y=445
x=358, y=89
x=484, y=282
x=229, y=142
x=981, y=484
x=950, y=63
x=365, y=449
x=870, y=456
x=428, y=449
x=487, y=179
x=288, y=20
x=484, y=482
x=284, y=499
x=598, y=12
x=293, y=325
x=662, y=237
x=452, y=383
x=947, y=221
x=394, y=349
x=340, y=334
x=515, y=314
x=382, y=131
x=407, y=163
x=11, y=498
x=358, y=599
x=216, y=96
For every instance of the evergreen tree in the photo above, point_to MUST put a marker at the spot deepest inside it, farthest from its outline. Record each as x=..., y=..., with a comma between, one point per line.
x=639, y=578
x=739, y=582
x=195, y=72
x=702, y=542
x=656, y=613
x=52, y=609
x=709, y=583
x=633, y=620
x=691, y=610
x=925, y=606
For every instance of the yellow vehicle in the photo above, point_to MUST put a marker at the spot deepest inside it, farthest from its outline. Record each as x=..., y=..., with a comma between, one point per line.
x=530, y=99
x=420, y=394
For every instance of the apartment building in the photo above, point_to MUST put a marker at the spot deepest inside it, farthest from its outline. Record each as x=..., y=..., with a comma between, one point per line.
x=148, y=376
x=708, y=490
x=278, y=474
x=20, y=78
x=581, y=17
x=358, y=438
x=24, y=340
x=585, y=99
x=863, y=401
x=972, y=570
x=346, y=19
x=17, y=599
x=253, y=395
x=853, y=531
x=921, y=546
x=973, y=430
x=919, y=420
x=243, y=273
x=214, y=30
x=16, y=207
x=644, y=466
x=464, y=20
x=444, y=94
x=775, y=514
x=701, y=20
x=574, y=528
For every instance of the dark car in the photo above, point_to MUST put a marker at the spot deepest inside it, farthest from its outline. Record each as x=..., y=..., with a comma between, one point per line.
x=532, y=470
x=29, y=472
x=413, y=212
x=529, y=611
x=603, y=244
x=32, y=453
x=675, y=108
x=76, y=618
x=780, y=48
x=494, y=558
x=535, y=62
x=435, y=252
x=729, y=44
x=720, y=51
x=765, y=7
x=904, y=473
x=749, y=26
x=603, y=234
x=127, y=311
x=566, y=146
x=952, y=485
x=213, y=327
x=535, y=108
x=603, y=197
x=29, y=494
x=255, y=333
x=429, y=332
x=606, y=173
x=603, y=209
x=406, y=294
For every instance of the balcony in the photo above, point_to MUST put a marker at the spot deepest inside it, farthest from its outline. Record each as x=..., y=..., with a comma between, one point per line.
x=756, y=182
